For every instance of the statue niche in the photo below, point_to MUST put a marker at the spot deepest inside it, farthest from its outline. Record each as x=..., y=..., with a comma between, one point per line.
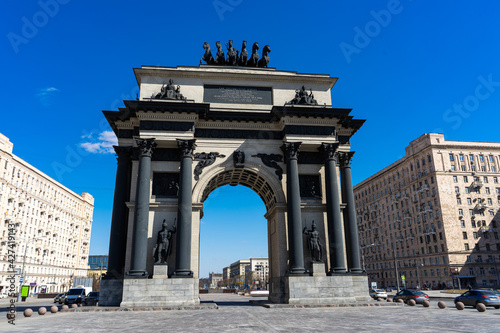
x=163, y=246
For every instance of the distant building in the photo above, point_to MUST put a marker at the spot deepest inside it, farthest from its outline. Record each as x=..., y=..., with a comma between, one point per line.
x=257, y=273
x=226, y=273
x=214, y=279
x=434, y=212
x=49, y=223
x=98, y=262
x=238, y=268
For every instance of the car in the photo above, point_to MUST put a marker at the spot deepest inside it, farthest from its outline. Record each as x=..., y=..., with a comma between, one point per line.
x=4, y=295
x=378, y=293
x=74, y=296
x=58, y=297
x=406, y=295
x=62, y=298
x=92, y=298
x=474, y=297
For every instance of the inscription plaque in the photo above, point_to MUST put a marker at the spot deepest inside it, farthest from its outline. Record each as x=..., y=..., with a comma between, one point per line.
x=237, y=94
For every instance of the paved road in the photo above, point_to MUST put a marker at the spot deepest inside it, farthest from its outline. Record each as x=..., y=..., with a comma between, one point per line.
x=236, y=315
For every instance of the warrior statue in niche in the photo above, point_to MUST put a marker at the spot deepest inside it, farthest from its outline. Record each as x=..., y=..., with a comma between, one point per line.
x=163, y=246
x=314, y=241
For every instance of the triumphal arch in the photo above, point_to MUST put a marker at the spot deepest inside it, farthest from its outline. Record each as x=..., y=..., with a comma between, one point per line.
x=194, y=129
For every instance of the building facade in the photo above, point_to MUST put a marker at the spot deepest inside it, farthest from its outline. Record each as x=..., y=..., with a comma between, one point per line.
x=214, y=279
x=257, y=272
x=49, y=224
x=98, y=262
x=432, y=217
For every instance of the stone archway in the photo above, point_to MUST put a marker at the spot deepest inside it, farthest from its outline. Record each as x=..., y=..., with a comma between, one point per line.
x=233, y=127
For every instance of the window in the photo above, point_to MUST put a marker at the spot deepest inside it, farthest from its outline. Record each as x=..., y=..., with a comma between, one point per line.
x=490, y=158
x=495, y=180
x=466, y=246
x=469, y=201
x=485, y=179
x=455, y=179
x=462, y=223
x=487, y=189
x=481, y=158
x=464, y=234
x=471, y=158
x=474, y=234
x=466, y=180
x=493, y=169
x=473, y=223
x=463, y=167
x=457, y=189
x=451, y=157
x=460, y=212
x=461, y=157
x=467, y=190
x=453, y=167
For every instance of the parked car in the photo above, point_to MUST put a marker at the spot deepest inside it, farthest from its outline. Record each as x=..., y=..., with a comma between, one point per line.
x=92, y=298
x=62, y=298
x=4, y=295
x=378, y=293
x=74, y=296
x=58, y=297
x=474, y=297
x=407, y=295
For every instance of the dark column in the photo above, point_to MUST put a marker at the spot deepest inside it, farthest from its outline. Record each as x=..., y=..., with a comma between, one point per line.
x=184, y=210
x=119, y=218
x=350, y=225
x=141, y=214
x=335, y=234
x=296, y=245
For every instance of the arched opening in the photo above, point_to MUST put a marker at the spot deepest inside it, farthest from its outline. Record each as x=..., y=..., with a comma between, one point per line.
x=233, y=228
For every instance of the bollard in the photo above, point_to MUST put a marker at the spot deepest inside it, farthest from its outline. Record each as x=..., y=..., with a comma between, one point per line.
x=412, y=302
x=480, y=307
x=442, y=305
x=42, y=311
x=28, y=313
x=459, y=305
x=426, y=304
x=54, y=309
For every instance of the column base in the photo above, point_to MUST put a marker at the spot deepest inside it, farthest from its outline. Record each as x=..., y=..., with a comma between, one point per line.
x=297, y=272
x=356, y=271
x=337, y=270
x=137, y=274
x=183, y=273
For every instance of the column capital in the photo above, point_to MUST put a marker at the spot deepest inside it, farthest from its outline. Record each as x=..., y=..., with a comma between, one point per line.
x=146, y=146
x=291, y=150
x=186, y=147
x=329, y=151
x=123, y=154
x=345, y=158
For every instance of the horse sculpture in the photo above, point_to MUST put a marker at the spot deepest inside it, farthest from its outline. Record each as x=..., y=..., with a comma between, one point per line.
x=264, y=61
x=232, y=54
x=207, y=57
x=219, y=58
x=254, y=59
x=244, y=54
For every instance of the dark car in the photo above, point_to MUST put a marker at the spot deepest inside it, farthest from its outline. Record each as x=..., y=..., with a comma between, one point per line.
x=92, y=298
x=58, y=297
x=474, y=297
x=62, y=298
x=406, y=295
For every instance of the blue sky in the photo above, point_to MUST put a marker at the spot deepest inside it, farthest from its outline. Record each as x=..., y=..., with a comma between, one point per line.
x=408, y=67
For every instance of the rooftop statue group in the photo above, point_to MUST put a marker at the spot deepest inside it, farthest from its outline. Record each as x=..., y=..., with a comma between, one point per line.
x=234, y=58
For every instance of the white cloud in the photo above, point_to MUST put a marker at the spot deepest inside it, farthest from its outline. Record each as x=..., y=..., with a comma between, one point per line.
x=45, y=94
x=102, y=145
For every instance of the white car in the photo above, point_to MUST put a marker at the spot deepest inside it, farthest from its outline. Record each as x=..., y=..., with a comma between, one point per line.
x=4, y=295
x=378, y=293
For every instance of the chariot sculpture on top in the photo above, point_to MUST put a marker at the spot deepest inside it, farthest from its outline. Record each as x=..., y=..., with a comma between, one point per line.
x=234, y=58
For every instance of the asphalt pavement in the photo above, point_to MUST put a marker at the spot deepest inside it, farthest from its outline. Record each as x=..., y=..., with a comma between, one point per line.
x=236, y=314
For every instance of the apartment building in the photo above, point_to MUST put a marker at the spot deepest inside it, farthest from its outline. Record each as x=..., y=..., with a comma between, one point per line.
x=48, y=223
x=432, y=217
